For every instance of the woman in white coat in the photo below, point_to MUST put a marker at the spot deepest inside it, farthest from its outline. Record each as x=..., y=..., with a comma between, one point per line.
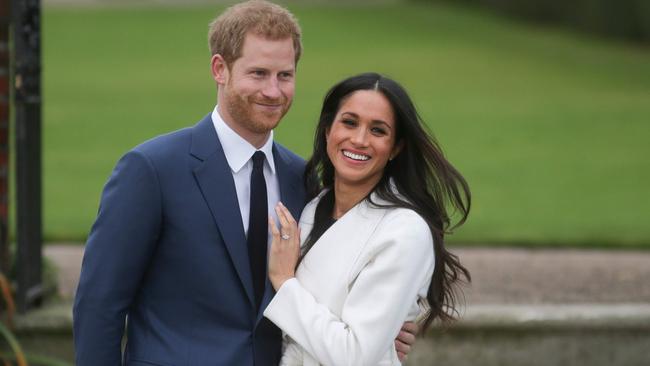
x=372, y=253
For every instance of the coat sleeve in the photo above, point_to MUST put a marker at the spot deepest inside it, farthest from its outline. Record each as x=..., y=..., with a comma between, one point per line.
x=116, y=256
x=398, y=266
x=291, y=354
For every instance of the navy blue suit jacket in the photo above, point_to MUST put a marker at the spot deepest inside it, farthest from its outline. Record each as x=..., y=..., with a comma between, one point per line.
x=168, y=249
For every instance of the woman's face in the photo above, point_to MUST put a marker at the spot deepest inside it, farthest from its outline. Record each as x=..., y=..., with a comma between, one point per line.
x=361, y=139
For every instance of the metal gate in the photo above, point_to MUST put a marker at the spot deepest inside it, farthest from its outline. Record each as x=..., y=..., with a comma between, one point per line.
x=25, y=58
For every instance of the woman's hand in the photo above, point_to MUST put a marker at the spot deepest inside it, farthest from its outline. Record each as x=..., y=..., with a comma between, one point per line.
x=285, y=247
x=405, y=340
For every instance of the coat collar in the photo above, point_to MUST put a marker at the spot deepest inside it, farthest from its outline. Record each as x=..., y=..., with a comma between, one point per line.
x=355, y=226
x=238, y=151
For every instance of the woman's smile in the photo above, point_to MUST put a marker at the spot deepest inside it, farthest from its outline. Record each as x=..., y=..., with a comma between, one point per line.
x=357, y=157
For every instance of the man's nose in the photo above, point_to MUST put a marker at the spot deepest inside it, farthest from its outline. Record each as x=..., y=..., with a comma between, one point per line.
x=272, y=89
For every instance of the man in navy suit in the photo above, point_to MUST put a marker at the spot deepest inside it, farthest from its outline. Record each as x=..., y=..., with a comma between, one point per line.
x=167, y=257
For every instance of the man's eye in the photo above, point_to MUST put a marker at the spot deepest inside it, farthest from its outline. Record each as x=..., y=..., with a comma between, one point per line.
x=286, y=75
x=259, y=73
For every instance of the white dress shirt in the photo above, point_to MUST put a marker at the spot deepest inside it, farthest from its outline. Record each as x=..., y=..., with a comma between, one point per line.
x=239, y=153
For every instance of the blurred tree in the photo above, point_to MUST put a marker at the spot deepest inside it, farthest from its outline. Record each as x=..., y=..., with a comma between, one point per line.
x=628, y=19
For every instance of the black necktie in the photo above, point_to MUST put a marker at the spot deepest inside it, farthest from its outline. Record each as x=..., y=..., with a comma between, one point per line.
x=258, y=227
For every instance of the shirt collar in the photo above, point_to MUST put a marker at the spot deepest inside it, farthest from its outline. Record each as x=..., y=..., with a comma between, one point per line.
x=237, y=150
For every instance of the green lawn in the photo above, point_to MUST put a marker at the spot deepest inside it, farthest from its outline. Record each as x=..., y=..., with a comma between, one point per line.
x=550, y=128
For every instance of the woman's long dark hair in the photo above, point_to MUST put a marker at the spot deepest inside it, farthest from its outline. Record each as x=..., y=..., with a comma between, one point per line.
x=426, y=183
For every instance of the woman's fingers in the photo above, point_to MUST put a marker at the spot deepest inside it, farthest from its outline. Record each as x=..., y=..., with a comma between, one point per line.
x=284, y=223
x=287, y=214
x=287, y=223
x=274, y=229
x=285, y=248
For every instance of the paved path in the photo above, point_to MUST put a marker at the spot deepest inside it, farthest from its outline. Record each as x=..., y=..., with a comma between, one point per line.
x=521, y=276
x=501, y=275
x=524, y=307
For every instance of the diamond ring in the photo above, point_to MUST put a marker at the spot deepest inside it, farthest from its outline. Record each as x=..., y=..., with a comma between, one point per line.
x=285, y=237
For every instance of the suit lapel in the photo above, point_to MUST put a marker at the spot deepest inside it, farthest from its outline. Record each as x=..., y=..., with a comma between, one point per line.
x=218, y=188
x=289, y=183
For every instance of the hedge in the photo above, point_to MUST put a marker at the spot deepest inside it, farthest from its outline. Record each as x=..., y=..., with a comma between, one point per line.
x=628, y=19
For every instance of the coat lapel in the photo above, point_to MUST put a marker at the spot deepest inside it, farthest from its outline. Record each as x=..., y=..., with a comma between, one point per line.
x=349, y=234
x=218, y=188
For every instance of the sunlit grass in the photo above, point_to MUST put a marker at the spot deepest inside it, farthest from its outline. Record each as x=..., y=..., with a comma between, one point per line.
x=550, y=128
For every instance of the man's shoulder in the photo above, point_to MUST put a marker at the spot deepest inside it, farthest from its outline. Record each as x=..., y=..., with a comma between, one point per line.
x=289, y=156
x=167, y=144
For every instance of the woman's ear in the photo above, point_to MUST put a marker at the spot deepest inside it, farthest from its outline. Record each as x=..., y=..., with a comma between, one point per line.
x=397, y=149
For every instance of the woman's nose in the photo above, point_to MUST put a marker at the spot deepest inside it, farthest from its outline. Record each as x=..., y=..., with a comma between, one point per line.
x=360, y=137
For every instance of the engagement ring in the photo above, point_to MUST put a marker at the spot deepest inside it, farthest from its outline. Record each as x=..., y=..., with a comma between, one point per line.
x=285, y=237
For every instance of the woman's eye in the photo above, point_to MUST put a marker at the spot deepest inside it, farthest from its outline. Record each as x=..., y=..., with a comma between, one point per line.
x=348, y=122
x=378, y=131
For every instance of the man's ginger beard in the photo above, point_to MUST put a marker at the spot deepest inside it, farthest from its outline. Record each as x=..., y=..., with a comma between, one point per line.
x=244, y=113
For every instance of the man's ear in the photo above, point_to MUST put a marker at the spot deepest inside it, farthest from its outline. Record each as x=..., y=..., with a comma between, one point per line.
x=219, y=68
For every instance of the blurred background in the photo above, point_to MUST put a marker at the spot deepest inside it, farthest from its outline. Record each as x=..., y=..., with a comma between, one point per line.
x=543, y=105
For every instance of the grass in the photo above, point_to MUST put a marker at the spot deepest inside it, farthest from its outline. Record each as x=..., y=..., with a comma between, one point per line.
x=550, y=128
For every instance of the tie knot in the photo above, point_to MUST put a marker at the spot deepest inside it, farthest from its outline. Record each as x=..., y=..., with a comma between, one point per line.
x=258, y=160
